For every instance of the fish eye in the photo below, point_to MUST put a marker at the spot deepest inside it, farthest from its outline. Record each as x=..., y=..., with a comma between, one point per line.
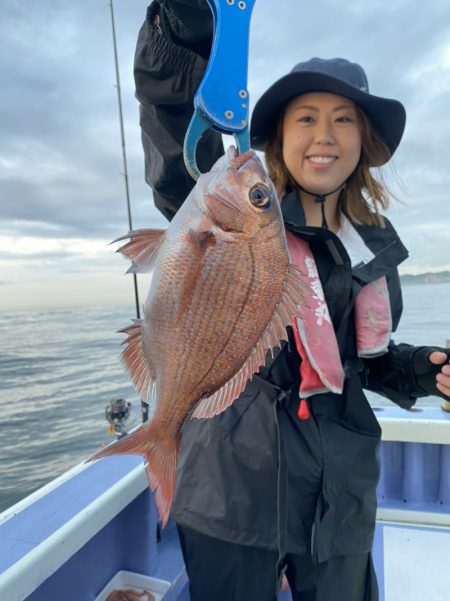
x=259, y=196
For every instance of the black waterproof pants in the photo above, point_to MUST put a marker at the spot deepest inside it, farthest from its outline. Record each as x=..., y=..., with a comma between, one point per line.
x=221, y=571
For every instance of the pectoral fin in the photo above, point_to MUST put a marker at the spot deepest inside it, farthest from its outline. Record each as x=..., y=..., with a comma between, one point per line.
x=141, y=249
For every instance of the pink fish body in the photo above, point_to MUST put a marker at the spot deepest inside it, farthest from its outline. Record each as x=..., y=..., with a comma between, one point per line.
x=221, y=295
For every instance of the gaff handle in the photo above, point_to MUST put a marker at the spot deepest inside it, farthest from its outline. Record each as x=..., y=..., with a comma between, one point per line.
x=223, y=95
x=221, y=102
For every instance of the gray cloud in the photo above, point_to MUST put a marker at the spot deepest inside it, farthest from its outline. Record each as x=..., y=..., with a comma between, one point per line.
x=60, y=157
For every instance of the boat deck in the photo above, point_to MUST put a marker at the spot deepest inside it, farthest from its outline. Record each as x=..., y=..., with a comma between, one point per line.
x=100, y=518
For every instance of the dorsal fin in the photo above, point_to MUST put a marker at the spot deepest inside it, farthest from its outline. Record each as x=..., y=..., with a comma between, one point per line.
x=136, y=363
x=141, y=249
x=275, y=332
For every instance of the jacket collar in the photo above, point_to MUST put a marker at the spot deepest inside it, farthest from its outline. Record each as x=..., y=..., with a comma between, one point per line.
x=292, y=210
x=387, y=247
x=384, y=242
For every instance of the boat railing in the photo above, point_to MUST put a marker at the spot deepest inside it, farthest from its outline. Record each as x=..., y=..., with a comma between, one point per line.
x=99, y=519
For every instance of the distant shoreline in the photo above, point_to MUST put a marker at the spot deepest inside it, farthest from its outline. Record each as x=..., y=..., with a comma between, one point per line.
x=441, y=277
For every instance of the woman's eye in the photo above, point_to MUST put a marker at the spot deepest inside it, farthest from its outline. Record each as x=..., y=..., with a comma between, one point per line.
x=305, y=119
x=260, y=196
x=345, y=119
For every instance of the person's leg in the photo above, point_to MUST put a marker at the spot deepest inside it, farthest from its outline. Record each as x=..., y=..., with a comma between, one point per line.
x=222, y=571
x=349, y=578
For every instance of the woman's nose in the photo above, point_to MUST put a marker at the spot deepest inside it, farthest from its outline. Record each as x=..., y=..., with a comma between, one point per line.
x=324, y=132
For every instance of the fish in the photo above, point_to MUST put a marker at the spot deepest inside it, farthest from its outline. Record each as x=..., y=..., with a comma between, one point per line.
x=222, y=292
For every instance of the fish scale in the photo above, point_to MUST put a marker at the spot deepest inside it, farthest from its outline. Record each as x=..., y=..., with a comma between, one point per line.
x=214, y=318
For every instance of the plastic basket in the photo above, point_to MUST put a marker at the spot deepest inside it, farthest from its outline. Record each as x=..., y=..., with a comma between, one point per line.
x=137, y=582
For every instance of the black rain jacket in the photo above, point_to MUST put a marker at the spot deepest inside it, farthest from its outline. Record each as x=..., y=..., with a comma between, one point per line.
x=229, y=470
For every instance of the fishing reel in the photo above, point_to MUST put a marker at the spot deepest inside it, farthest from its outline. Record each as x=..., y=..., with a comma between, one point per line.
x=117, y=414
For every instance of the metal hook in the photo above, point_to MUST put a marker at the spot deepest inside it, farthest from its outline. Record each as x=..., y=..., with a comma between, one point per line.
x=197, y=127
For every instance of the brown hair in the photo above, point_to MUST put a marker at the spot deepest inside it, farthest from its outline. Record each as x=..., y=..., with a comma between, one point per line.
x=365, y=195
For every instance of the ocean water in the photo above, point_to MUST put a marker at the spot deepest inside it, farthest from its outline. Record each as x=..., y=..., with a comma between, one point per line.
x=59, y=369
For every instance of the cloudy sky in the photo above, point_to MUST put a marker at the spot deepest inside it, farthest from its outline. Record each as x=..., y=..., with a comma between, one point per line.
x=61, y=188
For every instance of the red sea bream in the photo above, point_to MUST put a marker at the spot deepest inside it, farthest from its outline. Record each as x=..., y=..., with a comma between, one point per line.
x=221, y=295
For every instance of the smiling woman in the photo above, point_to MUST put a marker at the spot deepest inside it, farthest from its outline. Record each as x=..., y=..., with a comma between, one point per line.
x=328, y=140
x=303, y=425
x=321, y=141
x=369, y=150
x=321, y=147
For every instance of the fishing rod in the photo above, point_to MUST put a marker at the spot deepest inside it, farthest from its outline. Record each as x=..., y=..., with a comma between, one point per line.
x=116, y=407
x=124, y=152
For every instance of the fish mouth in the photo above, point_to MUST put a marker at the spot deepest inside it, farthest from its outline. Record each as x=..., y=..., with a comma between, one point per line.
x=238, y=161
x=241, y=160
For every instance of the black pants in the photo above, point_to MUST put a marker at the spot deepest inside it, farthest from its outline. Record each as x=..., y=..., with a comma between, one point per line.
x=221, y=571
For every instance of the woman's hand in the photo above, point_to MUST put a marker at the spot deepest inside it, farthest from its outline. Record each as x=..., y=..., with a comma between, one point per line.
x=432, y=371
x=443, y=376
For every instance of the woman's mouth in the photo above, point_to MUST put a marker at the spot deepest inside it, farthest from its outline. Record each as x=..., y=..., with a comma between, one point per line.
x=322, y=159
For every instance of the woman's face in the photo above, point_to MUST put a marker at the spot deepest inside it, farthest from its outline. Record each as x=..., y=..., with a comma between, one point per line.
x=321, y=140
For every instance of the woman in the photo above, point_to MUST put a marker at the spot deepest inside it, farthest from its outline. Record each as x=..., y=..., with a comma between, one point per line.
x=275, y=480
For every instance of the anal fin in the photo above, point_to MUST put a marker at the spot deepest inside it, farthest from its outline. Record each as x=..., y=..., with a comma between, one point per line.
x=135, y=361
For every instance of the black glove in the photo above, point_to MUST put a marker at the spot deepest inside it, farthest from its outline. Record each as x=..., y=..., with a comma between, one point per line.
x=425, y=371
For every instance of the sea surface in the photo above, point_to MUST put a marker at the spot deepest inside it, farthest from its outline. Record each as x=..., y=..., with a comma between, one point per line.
x=60, y=368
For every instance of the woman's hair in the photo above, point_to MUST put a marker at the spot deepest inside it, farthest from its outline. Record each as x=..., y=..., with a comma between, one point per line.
x=364, y=195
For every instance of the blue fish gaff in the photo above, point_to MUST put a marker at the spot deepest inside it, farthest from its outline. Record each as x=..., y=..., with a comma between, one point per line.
x=222, y=100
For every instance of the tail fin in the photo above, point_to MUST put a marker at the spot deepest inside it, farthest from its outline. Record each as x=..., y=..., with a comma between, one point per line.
x=160, y=453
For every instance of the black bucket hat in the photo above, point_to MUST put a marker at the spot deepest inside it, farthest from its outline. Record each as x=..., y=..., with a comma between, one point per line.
x=337, y=76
